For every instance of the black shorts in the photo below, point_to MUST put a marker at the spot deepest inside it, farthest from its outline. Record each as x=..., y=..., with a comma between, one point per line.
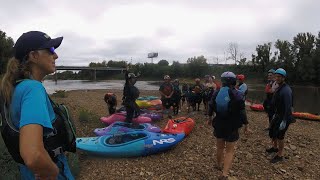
x=275, y=133
x=227, y=136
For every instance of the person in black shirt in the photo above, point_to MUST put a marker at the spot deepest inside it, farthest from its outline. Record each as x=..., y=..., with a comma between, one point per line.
x=130, y=94
x=111, y=100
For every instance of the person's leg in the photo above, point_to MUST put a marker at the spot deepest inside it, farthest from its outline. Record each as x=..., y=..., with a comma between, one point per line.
x=230, y=149
x=220, y=148
x=281, y=147
x=130, y=113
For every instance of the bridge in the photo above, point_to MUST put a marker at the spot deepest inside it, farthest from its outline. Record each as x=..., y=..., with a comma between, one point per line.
x=94, y=69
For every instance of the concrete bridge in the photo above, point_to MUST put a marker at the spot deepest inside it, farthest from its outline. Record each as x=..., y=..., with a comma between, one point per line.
x=94, y=69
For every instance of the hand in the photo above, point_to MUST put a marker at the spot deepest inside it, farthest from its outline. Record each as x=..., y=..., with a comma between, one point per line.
x=48, y=175
x=282, y=125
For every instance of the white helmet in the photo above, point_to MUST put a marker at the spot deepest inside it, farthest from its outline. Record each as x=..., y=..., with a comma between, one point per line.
x=166, y=77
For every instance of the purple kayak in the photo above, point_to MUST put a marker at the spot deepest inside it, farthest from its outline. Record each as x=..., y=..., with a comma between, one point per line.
x=123, y=127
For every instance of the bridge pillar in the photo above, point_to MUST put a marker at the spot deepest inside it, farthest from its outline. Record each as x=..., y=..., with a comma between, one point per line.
x=95, y=74
x=56, y=77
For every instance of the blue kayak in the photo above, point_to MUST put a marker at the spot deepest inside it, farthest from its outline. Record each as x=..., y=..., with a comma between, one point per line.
x=130, y=144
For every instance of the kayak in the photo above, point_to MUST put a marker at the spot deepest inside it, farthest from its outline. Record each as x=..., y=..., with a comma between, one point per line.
x=130, y=144
x=307, y=116
x=144, y=104
x=179, y=125
x=123, y=127
x=152, y=115
x=148, y=98
x=121, y=117
x=257, y=107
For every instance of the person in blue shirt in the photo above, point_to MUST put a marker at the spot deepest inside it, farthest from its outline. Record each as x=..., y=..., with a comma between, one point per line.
x=242, y=87
x=31, y=111
x=282, y=118
x=227, y=104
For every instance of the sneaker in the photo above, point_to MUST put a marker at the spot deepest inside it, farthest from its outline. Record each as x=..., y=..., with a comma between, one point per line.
x=276, y=159
x=271, y=150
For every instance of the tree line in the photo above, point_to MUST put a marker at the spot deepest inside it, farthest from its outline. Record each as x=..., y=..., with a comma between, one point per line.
x=300, y=58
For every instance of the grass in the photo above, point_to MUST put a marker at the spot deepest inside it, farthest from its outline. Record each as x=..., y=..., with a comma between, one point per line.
x=60, y=94
x=9, y=169
x=86, y=116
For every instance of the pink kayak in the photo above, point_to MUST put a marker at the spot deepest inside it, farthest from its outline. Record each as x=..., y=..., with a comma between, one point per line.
x=154, y=116
x=122, y=127
x=121, y=117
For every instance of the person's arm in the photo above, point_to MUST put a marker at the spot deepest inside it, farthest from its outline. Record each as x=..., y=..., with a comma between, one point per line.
x=287, y=99
x=34, y=154
x=171, y=91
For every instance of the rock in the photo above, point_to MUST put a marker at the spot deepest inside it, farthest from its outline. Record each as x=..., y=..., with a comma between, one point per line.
x=302, y=145
x=292, y=147
x=282, y=170
x=311, y=153
x=300, y=168
x=249, y=156
x=141, y=173
x=287, y=148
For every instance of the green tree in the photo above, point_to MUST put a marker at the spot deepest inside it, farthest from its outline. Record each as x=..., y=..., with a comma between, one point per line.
x=263, y=55
x=6, y=50
x=197, y=66
x=163, y=62
x=304, y=47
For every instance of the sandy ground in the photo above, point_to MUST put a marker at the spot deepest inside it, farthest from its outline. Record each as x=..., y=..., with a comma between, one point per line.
x=194, y=157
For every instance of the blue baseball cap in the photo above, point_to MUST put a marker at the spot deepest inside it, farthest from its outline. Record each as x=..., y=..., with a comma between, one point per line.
x=34, y=40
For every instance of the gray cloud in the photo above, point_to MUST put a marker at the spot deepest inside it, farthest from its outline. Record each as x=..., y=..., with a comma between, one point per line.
x=271, y=20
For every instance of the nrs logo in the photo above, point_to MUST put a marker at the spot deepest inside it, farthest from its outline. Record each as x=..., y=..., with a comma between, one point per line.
x=161, y=141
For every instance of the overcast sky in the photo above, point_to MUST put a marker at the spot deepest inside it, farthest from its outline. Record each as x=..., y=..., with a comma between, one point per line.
x=177, y=29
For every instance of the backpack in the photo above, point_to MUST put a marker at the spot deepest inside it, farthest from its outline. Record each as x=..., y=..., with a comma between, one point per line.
x=61, y=139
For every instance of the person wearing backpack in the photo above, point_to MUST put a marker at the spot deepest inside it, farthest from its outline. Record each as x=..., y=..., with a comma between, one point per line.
x=227, y=104
x=35, y=129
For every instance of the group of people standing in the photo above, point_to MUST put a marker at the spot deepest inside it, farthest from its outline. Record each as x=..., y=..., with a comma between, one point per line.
x=35, y=136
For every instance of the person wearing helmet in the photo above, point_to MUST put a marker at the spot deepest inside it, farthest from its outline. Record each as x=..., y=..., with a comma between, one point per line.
x=185, y=92
x=176, y=96
x=130, y=95
x=269, y=90
x=242, y=87
x=111, y=100
x=166, y=91
x=282, y=104
x=227, y=104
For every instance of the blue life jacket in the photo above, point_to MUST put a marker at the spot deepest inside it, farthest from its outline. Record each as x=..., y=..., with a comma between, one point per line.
x=223, y=100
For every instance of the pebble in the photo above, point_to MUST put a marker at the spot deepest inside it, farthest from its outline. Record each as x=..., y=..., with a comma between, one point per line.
x=292, y=147
x=302, y=145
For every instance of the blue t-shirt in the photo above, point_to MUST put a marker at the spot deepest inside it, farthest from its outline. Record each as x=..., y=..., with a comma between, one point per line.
x=31, y=105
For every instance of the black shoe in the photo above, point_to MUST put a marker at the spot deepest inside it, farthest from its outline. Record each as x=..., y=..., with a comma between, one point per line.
x=276, y=159
x=271, y=150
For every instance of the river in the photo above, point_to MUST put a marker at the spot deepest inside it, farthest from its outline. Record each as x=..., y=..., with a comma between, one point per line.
x=306, y=99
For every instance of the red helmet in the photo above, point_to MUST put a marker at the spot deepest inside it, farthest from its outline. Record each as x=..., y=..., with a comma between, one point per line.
x=240, y=77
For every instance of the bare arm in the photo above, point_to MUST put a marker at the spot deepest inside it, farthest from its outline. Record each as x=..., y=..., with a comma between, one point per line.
x=34, y=154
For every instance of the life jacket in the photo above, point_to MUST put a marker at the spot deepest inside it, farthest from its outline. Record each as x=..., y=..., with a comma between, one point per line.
x=227, y=109
x=61, y=139
x=222, y=100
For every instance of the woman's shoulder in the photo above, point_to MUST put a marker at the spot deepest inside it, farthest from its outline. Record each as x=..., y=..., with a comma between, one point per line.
x=29, y=85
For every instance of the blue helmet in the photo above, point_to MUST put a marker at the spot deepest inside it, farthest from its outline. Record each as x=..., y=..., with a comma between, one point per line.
x=281, y=72
x=228, y=78
x=271, y=71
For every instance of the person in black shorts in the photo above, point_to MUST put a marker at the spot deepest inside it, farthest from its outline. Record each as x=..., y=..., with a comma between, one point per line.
x=282, y=106
x=227, y=104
